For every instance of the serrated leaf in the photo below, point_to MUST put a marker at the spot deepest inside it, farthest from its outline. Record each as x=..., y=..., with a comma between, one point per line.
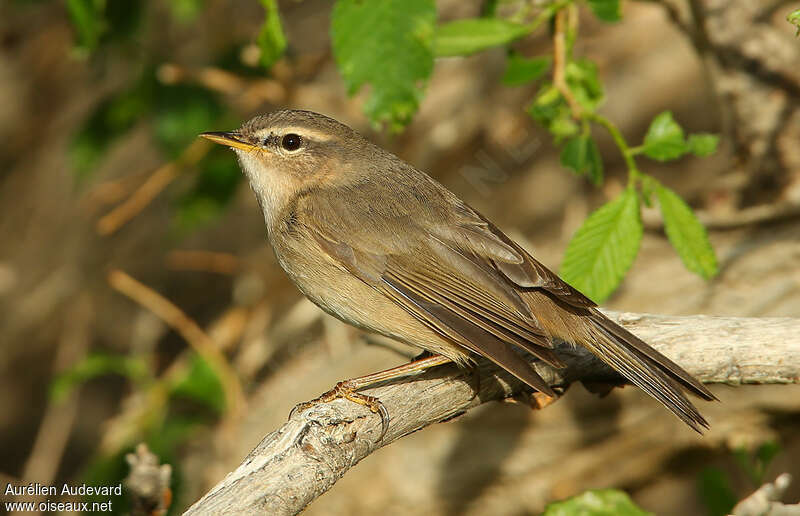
x=521, y=70
x=92, y=366
x=387, y=44
x=664, y=140
x=465, y=37
x=604, y=247
x=581, y=155
x=606, y=10
x=702, y=144
x=596, y=502
x=686, y=233
x=271, y=39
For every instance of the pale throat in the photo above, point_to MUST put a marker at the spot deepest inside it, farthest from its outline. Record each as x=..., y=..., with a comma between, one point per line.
x=273, y=188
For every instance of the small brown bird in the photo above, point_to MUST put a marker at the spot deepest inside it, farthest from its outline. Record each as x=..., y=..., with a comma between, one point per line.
x=382, y=246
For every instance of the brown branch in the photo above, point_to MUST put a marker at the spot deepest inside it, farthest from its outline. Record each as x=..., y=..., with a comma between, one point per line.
x=203, y=261
x=154, y=185
x=301, y=460
x=765, y=501
x=188, y=329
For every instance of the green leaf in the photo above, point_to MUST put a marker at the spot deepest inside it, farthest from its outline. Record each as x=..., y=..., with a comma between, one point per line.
x=794, y=19
x=596, y=502
x=664, y=140
x=271, y=39
x=715, y=492
x=465, y=37
x=387, y=44
x=92, y=366
x=521, y=70
x=604, y=247
x=582, y=156
x=606, y=10
x=581, y=76
x=702, y=144
x=87, y=21
x=201, y=384
x=551, y=111
x=686, y=233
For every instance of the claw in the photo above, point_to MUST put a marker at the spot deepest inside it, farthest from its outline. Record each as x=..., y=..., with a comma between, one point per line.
x=343, y=390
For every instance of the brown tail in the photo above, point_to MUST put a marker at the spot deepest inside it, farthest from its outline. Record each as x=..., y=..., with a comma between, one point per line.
x=648, y=369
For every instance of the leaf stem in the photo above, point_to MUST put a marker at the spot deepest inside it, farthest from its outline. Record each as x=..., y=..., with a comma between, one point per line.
x=560, y=58
x=627, y=152
x=547, y=13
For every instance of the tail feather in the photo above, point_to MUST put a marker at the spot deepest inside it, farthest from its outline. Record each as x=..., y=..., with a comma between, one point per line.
x=655, y=358
x=647, y=369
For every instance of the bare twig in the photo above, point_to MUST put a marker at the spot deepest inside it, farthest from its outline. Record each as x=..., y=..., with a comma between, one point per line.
x=306, y=456
x=203, y=261
x=765, y=501
x=154, y=185
x=59, y=416
x=188, y=329
x=254, y=91
x=148, y=483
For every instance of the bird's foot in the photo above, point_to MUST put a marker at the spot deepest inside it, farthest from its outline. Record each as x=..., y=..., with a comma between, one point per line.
x=347, y=390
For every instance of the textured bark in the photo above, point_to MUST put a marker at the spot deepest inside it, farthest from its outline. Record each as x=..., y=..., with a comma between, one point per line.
x=301, y=460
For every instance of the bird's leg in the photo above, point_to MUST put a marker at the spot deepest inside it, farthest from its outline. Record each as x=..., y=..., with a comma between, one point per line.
x=348, y=389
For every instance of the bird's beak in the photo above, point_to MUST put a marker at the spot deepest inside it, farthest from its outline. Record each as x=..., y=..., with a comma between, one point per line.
x=229, y=138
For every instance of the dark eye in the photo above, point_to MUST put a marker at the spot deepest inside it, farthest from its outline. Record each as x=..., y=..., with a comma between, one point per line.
x=291, y=142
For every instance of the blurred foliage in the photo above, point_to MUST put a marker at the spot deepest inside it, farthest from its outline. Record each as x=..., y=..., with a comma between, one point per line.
x=716, y=492
x=521, y=70
x=99, y=21
x=94, y=366
x=715, y=486
x=754, y=463
x=465, y=37
x=271, y=39
x=388, y=45
x=606, y=10
x=217, y=179
x=596, y=502
x=200, y=384
x=794, y=19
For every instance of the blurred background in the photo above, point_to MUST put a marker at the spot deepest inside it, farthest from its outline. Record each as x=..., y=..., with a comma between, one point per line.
x=123, y=237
